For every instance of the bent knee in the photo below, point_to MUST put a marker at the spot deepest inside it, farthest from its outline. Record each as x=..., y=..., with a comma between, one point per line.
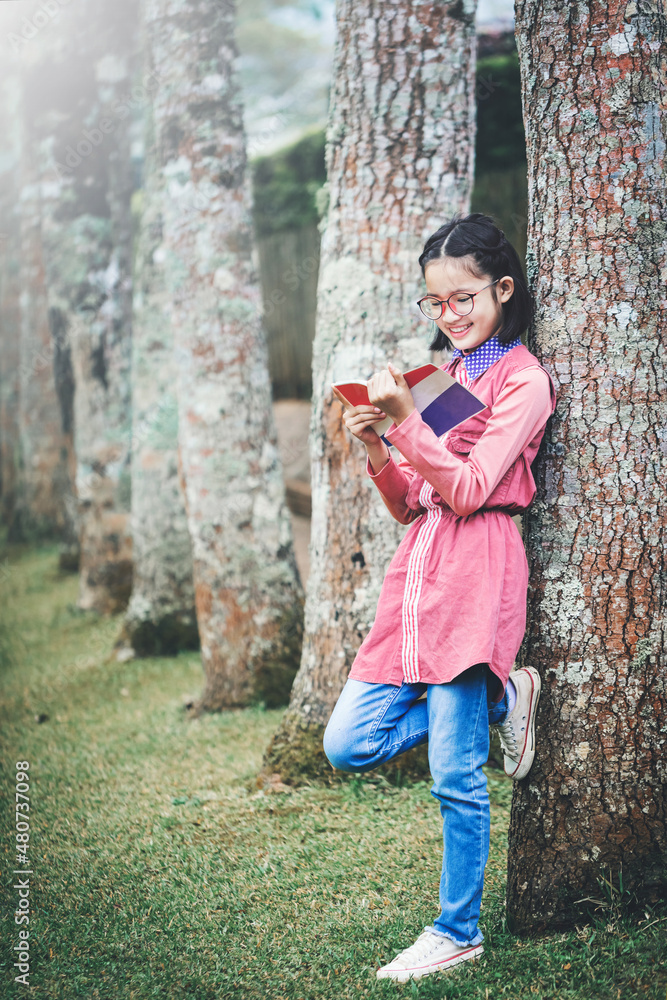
x=342, y=753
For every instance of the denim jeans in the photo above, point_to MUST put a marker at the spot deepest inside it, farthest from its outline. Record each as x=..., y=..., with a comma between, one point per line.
x=372, y=723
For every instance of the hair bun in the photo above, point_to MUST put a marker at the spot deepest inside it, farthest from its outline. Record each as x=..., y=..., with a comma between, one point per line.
x=499, y=245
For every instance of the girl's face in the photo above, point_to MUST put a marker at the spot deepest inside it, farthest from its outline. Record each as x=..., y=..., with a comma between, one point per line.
x=447, y=276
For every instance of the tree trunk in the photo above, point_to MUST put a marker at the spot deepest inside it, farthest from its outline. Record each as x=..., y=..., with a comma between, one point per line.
x=248, y=595
x=161, y=617
x=37, y=449
x=9, y=295
x=593, y=805
x=43, y=472
x=87, y=183
x=400, y=148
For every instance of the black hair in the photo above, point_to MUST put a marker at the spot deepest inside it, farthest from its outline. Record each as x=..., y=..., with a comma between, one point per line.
x=489, y=254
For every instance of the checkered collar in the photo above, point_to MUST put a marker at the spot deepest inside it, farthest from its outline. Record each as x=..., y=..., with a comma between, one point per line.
x=484, y=356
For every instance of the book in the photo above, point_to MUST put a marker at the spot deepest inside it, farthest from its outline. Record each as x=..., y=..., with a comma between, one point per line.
x=442, y=401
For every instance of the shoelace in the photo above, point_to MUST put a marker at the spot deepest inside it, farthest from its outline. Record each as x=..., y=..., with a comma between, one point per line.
x=507, y=738
x=423, y=946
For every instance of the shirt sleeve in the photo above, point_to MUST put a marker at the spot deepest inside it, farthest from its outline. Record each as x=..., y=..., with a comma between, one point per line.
x=519, y=413
x=393, y=482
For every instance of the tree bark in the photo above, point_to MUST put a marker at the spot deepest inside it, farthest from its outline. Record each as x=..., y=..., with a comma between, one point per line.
x=161, y=617
x=594, y=90
x=41, y=447
x=247, y=590
x=9, y=295
x=400, y=148
x=82, y=97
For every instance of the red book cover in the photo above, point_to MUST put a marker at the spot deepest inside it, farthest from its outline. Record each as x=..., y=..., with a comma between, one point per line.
x=442, y=401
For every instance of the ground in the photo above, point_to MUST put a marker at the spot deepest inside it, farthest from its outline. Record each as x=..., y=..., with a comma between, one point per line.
x=157, y=868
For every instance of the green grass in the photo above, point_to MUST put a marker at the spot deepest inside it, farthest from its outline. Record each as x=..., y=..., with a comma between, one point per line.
x=161, y=871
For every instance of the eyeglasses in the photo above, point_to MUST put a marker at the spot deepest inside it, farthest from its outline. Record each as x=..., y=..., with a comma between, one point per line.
x=460, y=303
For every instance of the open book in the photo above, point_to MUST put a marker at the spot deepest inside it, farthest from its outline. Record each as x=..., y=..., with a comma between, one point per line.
x=442, y=401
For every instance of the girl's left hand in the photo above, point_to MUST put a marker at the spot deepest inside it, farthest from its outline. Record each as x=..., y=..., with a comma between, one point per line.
x=389, y=390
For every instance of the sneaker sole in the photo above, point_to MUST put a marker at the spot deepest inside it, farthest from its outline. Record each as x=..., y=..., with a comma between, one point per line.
x=404, y=975
x=528, y=755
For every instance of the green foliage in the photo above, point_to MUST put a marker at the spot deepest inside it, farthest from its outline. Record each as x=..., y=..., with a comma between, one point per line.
x=159, y=870
x=285, y=186
x=501, y=141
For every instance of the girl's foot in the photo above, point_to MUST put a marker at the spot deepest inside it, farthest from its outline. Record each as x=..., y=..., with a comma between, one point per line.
x=430, y=953
x=517, y=732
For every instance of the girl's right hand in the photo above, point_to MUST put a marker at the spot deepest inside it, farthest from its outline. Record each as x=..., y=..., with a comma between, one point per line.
x=359, y=420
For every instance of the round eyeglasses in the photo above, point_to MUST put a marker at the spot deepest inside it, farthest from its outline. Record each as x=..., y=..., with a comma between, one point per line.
x=460, y=303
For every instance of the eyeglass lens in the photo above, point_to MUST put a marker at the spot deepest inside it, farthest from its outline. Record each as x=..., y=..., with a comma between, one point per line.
x=459, y=304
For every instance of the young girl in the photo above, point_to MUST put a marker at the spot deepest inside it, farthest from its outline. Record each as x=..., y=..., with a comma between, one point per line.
x=452, y=609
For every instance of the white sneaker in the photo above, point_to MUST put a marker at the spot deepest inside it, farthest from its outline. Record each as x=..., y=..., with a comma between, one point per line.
x=517, y=732
x=430, y=953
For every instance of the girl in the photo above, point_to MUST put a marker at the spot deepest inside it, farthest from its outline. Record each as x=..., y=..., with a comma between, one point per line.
x=452, y=608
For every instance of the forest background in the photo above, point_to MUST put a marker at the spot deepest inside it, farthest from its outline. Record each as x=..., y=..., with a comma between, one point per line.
x=167, y=799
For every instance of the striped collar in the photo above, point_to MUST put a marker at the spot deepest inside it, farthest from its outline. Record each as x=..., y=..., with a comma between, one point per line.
x=484, y=356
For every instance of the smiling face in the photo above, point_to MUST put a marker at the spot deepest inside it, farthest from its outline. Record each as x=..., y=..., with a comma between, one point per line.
x=447, y=276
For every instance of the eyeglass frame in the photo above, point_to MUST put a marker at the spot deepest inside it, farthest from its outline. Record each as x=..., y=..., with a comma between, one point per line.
x=444, y=302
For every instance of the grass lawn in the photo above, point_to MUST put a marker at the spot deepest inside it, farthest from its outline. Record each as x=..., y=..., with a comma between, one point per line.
x=159, y=869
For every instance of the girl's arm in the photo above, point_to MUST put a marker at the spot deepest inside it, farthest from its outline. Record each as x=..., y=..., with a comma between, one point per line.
x=393, y=482
x=519, y=413
x=391, y=479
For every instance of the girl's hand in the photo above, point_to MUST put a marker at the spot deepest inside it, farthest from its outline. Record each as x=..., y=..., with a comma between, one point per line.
x=359, y=420
x=389, y=390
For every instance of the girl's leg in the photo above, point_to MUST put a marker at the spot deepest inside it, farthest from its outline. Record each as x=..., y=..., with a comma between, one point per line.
x=372, y=723
x=458, y=749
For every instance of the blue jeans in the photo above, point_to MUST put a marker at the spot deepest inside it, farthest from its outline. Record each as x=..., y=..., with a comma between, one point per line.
x=372, y=723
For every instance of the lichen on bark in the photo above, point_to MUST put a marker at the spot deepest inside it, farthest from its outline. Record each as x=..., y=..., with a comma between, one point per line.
x=86, y=184
x=594, y=803
x=400, y=144
x=161, y=617
x=247, y=591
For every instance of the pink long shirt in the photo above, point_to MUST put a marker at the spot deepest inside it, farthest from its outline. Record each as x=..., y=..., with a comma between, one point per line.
x=455, y=592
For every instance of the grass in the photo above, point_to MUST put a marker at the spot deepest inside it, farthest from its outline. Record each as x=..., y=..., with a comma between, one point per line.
x=161, y=871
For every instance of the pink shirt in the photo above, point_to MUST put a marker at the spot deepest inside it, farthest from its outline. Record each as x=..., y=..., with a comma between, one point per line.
x=465, y=478
x=455, y=592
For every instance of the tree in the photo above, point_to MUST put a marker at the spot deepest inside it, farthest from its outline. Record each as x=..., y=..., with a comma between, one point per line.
x=161, y=616
x=593, y=78
x=400, y=144
x=43, y=474
x=81, y=102
x=37, y=450
x=9, y=294
x=247, y=590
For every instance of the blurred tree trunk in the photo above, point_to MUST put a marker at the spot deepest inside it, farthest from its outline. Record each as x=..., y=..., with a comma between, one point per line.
x=594, y=803
x=248, y=596
x=81, y=101
x=400, y=148
x=42, y=444
x=9, y=295
x=161, y=617
x=36, y=454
